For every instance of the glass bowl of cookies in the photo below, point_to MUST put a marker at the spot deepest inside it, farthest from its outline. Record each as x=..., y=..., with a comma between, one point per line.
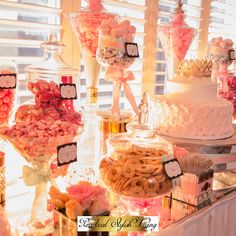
x=133, y=170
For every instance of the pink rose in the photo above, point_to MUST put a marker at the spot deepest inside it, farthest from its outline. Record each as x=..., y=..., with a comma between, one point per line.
x=99, y=205
x=85, y=193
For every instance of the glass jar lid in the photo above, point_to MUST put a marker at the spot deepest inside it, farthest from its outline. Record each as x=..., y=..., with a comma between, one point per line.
x=52, y=62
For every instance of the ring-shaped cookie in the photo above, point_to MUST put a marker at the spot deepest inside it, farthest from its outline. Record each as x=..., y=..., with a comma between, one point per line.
x=128, y=171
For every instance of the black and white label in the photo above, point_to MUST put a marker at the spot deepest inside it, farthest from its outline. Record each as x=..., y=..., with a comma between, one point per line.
x=68, y=91
x=172, y=168
x=66, y=154
x=8, y=81
x=131, y=49
x=232, y=54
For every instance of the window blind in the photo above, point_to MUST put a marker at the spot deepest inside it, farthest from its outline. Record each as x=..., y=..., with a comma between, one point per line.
x=223, y=19
x=192, y=9
x=135, y=12
x=24, y=25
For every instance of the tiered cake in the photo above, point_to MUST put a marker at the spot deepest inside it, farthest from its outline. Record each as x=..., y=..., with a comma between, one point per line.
x=191, y=108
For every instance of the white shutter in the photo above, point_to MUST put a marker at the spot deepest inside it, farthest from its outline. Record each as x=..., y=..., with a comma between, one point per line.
x=24, y=25
x=135, y=12
x=192, y=10
x=223, y=19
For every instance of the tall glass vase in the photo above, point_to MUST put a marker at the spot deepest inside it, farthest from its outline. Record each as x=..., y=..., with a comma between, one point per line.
x=85, y=24
x=176, y=39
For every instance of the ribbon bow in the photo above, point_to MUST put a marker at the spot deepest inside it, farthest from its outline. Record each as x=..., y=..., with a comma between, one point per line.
x=33, y=177
x=119, y=78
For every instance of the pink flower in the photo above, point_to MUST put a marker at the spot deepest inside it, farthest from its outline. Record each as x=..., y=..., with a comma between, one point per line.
x=99, y=205
x=85, y=193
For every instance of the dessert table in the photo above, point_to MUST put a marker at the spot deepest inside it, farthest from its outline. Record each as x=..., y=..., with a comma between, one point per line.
x=215, y=220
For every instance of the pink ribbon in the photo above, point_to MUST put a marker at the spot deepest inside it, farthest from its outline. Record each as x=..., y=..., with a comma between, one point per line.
x=119, y=78
x=144, y=206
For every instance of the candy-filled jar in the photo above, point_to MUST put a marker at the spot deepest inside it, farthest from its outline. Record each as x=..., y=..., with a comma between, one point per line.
x=221, y=53
x=46, y=129
x=85, y=24
x=54, y=86
x=8, y=81
x=117, y=52
x=176, y=39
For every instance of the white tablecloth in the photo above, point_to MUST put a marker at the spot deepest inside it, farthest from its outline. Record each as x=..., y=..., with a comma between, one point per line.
x=216, y=220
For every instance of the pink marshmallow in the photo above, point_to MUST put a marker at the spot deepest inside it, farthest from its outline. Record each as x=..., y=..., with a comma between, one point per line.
x=125, y=23
x=112, y=23
x=228, y=42
x=132, y=29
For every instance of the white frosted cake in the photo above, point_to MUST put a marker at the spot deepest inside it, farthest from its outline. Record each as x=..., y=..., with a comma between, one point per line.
x=191, y=108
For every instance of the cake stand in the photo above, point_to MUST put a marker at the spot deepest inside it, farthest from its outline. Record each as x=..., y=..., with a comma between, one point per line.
x=221, y=151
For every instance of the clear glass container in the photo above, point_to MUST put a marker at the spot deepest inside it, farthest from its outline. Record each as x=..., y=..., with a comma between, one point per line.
x=8, y=82
x=176, y=38
x=85, y=24
x=43, y=128
x=132, y=169
x=54, y=86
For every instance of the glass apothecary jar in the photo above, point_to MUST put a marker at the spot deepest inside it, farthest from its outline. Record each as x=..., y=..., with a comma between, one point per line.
x=133, y=169
x=176, y=39
x=55, y=87
x=46, y=129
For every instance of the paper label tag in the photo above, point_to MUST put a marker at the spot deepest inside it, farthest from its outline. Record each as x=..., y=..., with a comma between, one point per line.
x=172, y=168
x=131, y=49
x=232, y=54
x=68, y=91
x=66, y=154
x=8, y=81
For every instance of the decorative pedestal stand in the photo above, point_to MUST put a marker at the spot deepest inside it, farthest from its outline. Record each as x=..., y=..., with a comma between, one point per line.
x=221, y=151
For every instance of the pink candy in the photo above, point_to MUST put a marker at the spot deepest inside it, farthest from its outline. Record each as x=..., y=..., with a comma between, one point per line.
x=224, y=44
x=86, y=24
x=230, y=93
x=7, y=97
x=121, y=30
x=48, y=105
x=35, y=139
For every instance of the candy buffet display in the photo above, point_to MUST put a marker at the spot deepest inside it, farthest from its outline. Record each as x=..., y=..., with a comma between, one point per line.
x=191, y=109
x=85, y=24
x=7, y=91
x=2, y=178
x=176, y=39
x=195, y=186
x=116, y=52
x=80, y=199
